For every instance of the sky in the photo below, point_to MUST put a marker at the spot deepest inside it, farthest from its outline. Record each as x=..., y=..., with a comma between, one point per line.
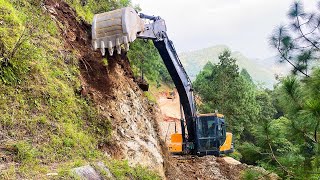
x=243, y=25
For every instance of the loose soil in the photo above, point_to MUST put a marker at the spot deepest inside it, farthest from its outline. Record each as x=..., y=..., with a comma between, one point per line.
x=115, y=93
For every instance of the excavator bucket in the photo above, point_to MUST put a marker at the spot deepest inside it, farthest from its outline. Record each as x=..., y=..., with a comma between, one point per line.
x=115, y=29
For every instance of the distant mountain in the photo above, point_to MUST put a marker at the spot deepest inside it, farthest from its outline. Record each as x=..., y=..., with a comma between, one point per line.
x=262, y=71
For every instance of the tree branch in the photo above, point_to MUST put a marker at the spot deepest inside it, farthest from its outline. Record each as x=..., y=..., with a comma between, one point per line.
x=283, y=56
x=295, y=67
x=274, y=157
x=305, y=135
x=315, y=131
x=303, y=35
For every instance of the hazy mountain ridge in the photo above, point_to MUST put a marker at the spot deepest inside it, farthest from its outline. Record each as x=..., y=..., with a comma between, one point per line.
x=262, y=71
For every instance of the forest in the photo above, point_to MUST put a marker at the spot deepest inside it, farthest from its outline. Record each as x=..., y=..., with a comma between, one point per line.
x=277, y=129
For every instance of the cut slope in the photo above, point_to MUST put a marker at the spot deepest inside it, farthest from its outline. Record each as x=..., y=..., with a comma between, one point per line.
x=73, y=106
x=114, y=92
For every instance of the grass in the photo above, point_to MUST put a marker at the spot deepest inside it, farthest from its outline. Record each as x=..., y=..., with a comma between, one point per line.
x=44, y=118
x=150, y=97
x=48, y=126
x=236, y=155
x=250, y=174
x=122, y=170
x=87, y=10
x=119, y=169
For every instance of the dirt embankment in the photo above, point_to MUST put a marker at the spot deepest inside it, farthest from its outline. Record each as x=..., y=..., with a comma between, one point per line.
x=114, y=92
x=205, y=168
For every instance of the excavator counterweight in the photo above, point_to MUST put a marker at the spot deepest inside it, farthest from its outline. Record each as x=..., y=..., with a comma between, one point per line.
x=116, y=29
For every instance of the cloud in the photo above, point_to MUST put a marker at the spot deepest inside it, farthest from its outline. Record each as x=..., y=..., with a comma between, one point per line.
x=244, y=25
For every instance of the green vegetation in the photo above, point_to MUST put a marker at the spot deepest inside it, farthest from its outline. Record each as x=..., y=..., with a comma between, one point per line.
x=44, y=120
x=278, y=130
x=122, y=170
x=222, y=88
x=87, y=8
x=47, y=125
x=41, y=124
x=145, y=60
x=297, y=42
x=119, y=169
x=251, y=174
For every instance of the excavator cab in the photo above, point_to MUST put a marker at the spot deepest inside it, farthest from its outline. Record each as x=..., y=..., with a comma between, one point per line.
x=212, y=135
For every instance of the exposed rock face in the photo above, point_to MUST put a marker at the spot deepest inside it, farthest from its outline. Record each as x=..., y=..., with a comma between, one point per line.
x=135, y=134
x=135, y=125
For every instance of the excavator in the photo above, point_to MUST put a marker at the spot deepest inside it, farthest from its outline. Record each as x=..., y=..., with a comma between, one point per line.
x=201, y=134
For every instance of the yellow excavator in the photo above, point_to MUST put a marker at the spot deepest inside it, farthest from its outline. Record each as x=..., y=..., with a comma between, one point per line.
x=201, y=134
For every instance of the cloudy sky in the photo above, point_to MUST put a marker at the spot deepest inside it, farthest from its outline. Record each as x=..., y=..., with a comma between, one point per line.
x=243, y=25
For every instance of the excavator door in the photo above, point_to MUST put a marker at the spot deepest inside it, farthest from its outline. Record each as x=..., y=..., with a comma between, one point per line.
x=227, y=146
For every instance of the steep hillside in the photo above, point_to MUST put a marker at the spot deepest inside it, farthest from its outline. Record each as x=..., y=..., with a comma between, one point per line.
x=63, y=105
x=260, y=70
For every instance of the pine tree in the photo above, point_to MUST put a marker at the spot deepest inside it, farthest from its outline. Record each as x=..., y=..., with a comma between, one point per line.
x=297, y=43
x=221, y=88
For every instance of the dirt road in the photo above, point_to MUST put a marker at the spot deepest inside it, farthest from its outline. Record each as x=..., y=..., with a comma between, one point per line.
x=170, y=109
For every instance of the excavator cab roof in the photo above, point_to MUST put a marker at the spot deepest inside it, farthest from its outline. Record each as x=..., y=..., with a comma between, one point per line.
x=212, y=114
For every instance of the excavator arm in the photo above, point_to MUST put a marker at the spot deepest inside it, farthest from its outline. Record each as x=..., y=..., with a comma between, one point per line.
x=184, y=88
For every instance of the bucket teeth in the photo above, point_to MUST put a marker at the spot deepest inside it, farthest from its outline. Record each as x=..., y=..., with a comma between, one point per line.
x=102, y=48
x=118, y=46
x=95, y=45
x=126, y=43
x=110, y=48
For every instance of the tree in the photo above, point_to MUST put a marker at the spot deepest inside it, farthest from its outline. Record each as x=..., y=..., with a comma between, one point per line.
x=298, y=42
x=300, y=102
x=221, y=88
